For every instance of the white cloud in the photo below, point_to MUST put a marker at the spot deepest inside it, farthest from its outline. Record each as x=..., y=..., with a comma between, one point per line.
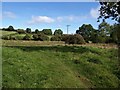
x=94, y=12
x=41, y=19
x=59, y=19
x=71, y=18
x=9, y=14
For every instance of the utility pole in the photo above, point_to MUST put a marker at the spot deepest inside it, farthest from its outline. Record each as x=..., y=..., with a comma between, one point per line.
x=67, y=28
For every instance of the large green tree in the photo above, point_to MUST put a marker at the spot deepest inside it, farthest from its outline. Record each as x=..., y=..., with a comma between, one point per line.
x=28, y=30
x=86, y=30
x=10, y=28
x=47, y=31
x=104, y=32
x=36, y=31
x=113, y=34
x=110, y=10
x=58, y=32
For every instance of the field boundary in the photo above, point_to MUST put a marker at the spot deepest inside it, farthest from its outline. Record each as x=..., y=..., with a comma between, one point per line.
x=53, y=43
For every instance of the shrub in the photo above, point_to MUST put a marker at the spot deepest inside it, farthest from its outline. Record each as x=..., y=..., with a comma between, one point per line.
x=64, y=37
x=6, y=37
x=35, y=37
x=43, y=37
x=56, y=38
x=9, y=37
x=47, y=31
x=21, y=31
x=73, y=39
x=12, y=38
x=19, y=37
x=27, y=37
x=40, y=37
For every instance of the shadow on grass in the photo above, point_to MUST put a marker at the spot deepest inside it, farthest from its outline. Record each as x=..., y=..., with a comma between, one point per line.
x=75, y=49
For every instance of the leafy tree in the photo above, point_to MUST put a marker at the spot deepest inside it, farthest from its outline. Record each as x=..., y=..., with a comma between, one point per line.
x=86, y=31
x=110, y=9
x=104, y=32
x=28, y=30
x=10, y=28
x=113, y=34
x=95, y=36
x=58, y=32
x=47, y=31
x=36, y=31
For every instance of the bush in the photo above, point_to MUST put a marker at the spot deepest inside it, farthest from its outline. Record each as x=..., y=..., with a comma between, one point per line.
x=6, y=37
x=21, y=31
x=56, y=38
x=27, y=37
x=19, y=37
x=9, y=37
x=35, y=37
x=47, y=31
x=73, y=39
x=43, y=37
x=12, y=38
x=58, y=32
x=40, y=37
x=64, y=37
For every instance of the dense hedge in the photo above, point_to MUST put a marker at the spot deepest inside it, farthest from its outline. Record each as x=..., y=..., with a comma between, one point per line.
x=69, y=39
x=56, y=38
x=6, y=37
x=40, y=37
x=27, y=37
x=73, y=39
x=9, y=37
x=21, y=31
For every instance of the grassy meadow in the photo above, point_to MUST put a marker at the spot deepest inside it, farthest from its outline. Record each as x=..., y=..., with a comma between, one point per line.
x=59, y=67
x=52, y=64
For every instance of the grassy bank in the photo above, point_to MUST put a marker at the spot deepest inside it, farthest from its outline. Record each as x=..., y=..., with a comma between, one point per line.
x=59, y=67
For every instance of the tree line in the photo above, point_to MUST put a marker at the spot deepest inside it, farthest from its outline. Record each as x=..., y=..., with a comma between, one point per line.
x=106, y=33
x=28, y=30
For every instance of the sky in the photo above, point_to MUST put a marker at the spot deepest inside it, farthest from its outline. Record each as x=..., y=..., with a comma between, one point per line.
x=50, y=15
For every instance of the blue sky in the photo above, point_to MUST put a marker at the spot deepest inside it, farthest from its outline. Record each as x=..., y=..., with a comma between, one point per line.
x=53, y=15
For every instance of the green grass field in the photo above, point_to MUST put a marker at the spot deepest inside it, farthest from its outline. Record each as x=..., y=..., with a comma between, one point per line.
x=59, y=67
